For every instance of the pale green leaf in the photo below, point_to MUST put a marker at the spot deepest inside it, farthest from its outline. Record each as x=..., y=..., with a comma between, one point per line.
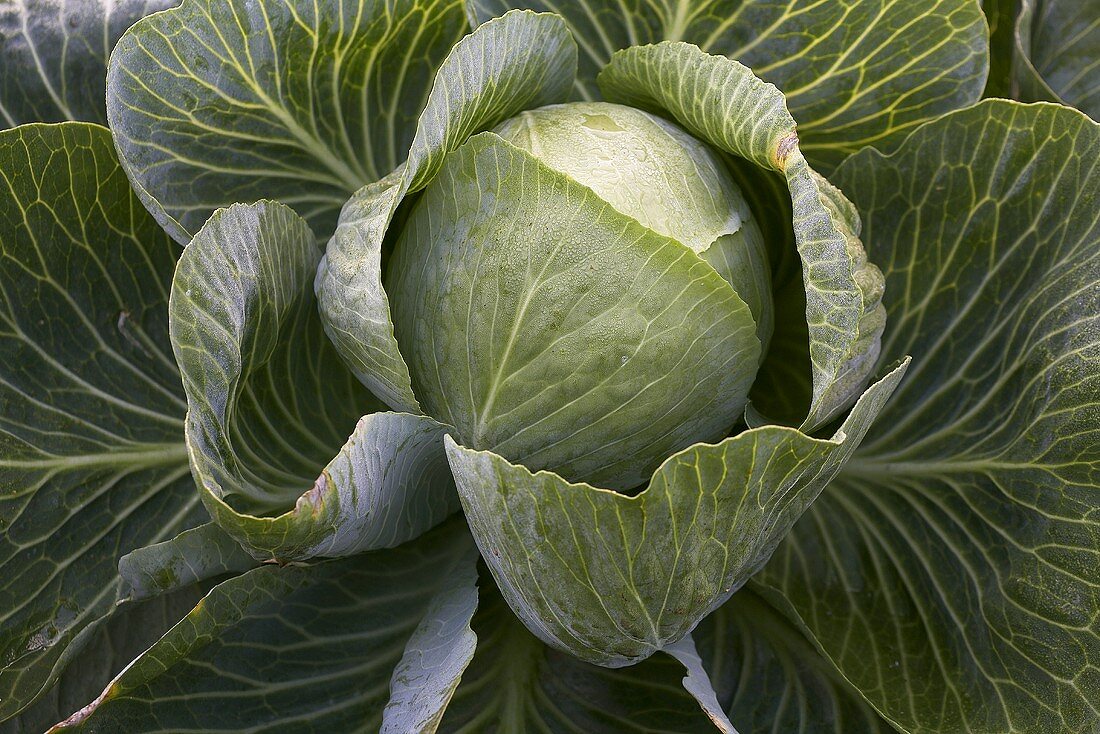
x=959, y=548
x=92, y=461
x=436, y=654
x=270, y=403
x=194, y=555
x=550, y=269
x=697, y=683
x=296, y=648
x=509, y=64
x=54, y=56
x=612, y=578
x=856, y=73
x=221, y=101
x=654, y=172
x=1058, y=53
x=722, y=102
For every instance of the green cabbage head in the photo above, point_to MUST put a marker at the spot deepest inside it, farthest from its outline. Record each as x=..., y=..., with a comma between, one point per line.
x=592, y=323
x=578, y=298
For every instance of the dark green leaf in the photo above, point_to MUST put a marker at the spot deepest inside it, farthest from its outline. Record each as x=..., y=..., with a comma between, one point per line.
x=129, y=631
x=1001, y=16
x=92, y=461
x=1058, y=53
x=54, y=56
x=221, y=101
x=517, y=684
x=855, y=73
x=291, y=649
x=769, y=677
x=951, y=571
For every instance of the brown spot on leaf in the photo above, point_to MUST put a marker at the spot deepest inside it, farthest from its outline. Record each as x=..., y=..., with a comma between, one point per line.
x=315, y=495
x=786, y=145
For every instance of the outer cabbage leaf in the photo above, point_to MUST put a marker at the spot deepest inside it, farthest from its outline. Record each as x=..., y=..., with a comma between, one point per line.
x=1058, y=54
x=54, y=56
x=516, y=683
x=194, y=555
x=958, y=548
x=612, y=578
x=131, y=629
x=270, y=403
x=221, y=101
x=511, y=63
x=856, y=73
x=770, y=678
x=722, y=102
x=300, y=648
x=92, y=461
x=764, y=671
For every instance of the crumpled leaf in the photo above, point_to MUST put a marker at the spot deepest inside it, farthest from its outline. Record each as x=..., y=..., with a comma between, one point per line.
x=723, y=103
x=194, y=555
x=270, y=403
x=221, y=101
x=484, y=80
x=612, y=578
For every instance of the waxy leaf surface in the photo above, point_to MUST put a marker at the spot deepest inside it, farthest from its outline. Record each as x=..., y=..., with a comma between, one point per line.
x=856, y=73
x=270, y=403
x=223, y=101
x=612, y=578
x=958, y=548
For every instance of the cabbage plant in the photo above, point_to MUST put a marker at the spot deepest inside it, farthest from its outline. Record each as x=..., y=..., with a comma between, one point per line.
x=428, y=365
